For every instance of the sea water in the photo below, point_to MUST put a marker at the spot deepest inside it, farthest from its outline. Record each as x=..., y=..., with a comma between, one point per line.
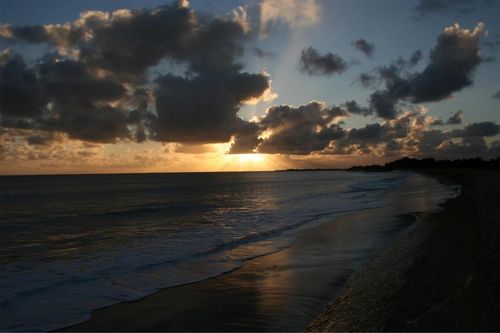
x=74, y=243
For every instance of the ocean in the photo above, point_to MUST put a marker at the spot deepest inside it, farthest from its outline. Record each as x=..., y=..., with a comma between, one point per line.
x=74, y=243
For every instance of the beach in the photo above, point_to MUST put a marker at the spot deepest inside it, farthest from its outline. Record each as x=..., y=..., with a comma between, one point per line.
x=443, y=275
x=280, y=291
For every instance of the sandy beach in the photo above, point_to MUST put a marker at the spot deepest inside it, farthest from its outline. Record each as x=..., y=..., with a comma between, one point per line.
x=443, y=275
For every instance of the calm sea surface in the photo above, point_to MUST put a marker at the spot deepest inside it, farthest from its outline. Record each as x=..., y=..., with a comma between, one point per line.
x=70, y=244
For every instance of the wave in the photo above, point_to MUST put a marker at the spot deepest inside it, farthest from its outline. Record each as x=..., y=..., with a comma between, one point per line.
x=50, y=294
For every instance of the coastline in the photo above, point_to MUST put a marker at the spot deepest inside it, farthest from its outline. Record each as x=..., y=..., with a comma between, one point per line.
x=281, y=291
x=440, y=276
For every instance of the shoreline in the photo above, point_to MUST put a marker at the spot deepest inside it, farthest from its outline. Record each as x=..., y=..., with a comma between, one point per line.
x=440, y=276
x=281, y=291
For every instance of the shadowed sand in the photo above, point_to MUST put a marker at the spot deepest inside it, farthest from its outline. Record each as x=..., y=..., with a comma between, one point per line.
x=444, y=275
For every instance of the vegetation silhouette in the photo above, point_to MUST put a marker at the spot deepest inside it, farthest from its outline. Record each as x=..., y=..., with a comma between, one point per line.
x=425, y=163
x=430, y=163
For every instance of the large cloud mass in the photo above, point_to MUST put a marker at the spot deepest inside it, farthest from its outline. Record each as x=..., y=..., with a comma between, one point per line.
x=96, y=86
x=170, y=75
x=451, y=64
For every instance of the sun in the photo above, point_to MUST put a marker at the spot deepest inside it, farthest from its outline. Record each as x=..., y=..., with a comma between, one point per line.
x=250, y=158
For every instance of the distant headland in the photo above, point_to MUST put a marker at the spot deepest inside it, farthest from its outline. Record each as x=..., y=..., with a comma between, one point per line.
x=414, y=163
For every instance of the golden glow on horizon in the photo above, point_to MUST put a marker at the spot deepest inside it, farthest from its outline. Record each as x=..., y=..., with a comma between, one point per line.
x=251, y=158
x=248, y=162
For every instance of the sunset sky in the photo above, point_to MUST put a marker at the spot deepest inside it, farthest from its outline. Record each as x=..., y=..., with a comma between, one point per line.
x=176, y=86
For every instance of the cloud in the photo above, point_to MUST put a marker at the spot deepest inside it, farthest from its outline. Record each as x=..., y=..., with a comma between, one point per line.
x=314, y=63
x=111, y=60
x=44, y=98
x=127, y=43
x=106, y=58
x=247, y=139
x=203, y=109
x=352, y=107
x=287, y=129
x=415, y=58
x=362, y=45
x=300, y=129
x=452, y=62
x=481, y=129
x=456, y=119
x=20, y=93
x=293, y=13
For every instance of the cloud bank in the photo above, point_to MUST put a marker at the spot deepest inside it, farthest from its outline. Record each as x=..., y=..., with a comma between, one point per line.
x=101, y=83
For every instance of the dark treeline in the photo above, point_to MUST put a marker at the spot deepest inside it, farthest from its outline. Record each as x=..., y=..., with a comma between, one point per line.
x=430, y=163
x=425, y=163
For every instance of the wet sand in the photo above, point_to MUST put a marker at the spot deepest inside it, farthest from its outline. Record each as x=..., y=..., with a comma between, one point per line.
x=443, y=275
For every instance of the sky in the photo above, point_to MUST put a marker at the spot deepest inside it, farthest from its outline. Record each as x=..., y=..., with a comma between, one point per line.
x=181, y=86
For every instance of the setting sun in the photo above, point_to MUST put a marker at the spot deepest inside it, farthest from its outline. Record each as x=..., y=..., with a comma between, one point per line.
x=251, y=158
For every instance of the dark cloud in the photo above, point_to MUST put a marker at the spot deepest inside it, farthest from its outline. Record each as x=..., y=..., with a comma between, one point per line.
x=485, y=128
x=56, y=35
x=384, y=102
x=20, y=91
x=127, y=43
x=451, y=66
x=456, y=119
x=203, y=109
x=470, y=146
x=353, y=107
x=362, y=45
x=367, y=80
x=314, y=63
x=105, y=96
x=62, y=96
x=300, y=130
x=247, y=139
x=96, y=86
x=371, y=133
x=31, y=34
x=429, y=140
x=69, y=82
x=43, y=138
x=140, y=39
x=437, y=122
x=415, y=58
x=452, y=62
